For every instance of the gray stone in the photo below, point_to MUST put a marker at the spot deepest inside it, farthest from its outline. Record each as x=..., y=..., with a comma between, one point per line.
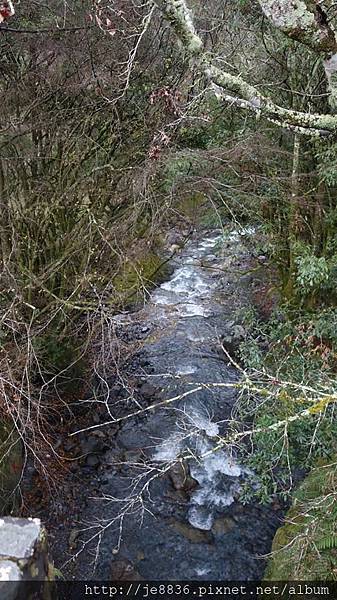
x=124, y=570
x=147, y=391
x=132, y=456
x=23, y=557
x=195, y=536
x=73, y=537
x=132, y=436
x=181, y=477
x=92, y=460
x=10, y=578
x=223, y=525
x=239, y=332
x=18, y=537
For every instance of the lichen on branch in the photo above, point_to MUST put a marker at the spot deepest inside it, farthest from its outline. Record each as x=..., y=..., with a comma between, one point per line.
x=303, y=21
x=179, y=15
x=246, y=95
x=306, y=22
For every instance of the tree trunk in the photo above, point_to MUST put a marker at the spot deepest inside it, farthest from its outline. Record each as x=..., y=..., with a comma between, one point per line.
x=293, y=217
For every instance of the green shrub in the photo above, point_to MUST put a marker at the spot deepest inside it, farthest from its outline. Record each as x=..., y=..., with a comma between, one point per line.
x=305, y=548
x=302, y=352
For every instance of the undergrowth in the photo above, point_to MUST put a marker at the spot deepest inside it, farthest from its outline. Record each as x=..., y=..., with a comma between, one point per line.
x=305, y=548
x=294, y=347
x=302, y=351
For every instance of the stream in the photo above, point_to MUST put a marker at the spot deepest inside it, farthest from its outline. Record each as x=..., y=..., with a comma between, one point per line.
x=165, y=518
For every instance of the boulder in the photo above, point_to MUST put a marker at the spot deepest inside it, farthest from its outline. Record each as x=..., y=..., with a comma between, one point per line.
x=232, y=337
x=181, y=477
x=123, y=570
x=24, y=565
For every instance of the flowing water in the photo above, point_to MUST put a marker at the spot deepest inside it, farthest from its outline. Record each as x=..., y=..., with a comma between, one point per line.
x=188, y=523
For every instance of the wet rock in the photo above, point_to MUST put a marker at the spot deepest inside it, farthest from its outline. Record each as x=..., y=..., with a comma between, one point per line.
x=181, y=478
x=69, y=445
x=200, y=517
x=196, y=536
x=132, y=456
x=174, y=238
x=57, y=443
x=104, y=480
x=148, y=391
x=113, y=456
x=178, y=496
x=92, y=460
x=239, y=332
x=94, y=444
x=115, y=391
x=234, y=331
x=99, y=434
x=223, y=525
x=132, y=437
x=124, y=570
x=233, y=336
x=86, y=471
x=211, y=258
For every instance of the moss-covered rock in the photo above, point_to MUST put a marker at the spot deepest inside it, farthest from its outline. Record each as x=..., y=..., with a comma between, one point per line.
x=305, y=548
x=138, y=276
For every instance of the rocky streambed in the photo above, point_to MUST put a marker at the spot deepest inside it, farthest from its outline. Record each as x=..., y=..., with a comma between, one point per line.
x=156, y=502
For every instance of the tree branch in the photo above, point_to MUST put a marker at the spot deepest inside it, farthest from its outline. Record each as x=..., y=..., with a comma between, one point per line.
x=5, y=29
x=306, y=22
x=234, y=87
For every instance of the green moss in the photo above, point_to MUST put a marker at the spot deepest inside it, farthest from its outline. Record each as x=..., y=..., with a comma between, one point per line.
x=139, y=276
x=193, y=206
x=305, y=548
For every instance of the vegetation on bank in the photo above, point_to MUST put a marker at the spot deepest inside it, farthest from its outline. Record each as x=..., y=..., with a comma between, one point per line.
x=305, y=547
x=294, y=354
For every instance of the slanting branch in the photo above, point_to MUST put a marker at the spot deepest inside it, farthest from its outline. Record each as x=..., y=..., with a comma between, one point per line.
x=180, y=17
x=235, y=88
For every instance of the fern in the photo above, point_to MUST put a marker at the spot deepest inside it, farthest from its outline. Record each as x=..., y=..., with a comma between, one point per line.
x=327, y=543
